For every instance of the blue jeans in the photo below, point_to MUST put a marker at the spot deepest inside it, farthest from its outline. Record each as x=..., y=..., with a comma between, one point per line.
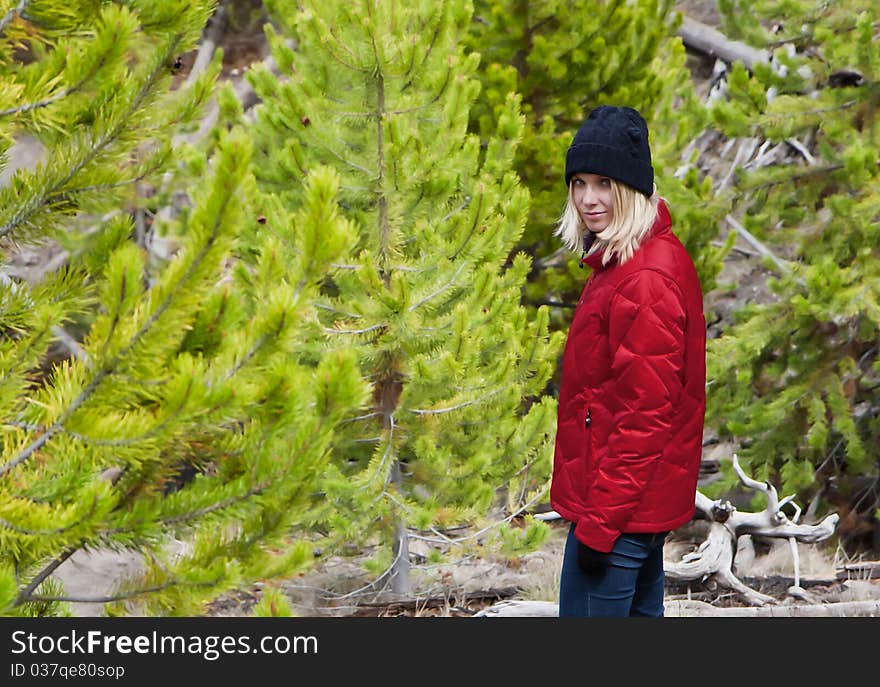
x=630, y=585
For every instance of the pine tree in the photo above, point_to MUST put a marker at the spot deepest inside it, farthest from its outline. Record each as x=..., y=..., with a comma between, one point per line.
x=795, y=379
x=178, y=426
x=456, y=425
x=563, y=59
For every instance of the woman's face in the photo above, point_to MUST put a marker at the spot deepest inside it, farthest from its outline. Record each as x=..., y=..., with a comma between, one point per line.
x=594, y=199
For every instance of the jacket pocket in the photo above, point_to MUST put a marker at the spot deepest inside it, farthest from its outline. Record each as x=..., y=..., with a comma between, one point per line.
x=587, y=464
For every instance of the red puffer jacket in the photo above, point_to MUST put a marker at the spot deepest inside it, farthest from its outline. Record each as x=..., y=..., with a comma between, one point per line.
x=629, y=430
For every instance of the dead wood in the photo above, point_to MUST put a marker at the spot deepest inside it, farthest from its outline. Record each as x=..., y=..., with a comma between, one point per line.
x=840, y=609
x=771, y=584
x=520, y=609
x=211, y=39
x=864, y=570
x=713, y=559
x=691, y=609
x=416, y=604
x=712, y=43
x=758, y=246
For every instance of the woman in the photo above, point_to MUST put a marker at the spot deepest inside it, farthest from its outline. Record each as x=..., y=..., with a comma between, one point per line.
x=632, y=398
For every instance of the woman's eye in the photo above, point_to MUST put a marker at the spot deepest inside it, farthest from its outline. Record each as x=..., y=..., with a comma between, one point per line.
x=605, y=181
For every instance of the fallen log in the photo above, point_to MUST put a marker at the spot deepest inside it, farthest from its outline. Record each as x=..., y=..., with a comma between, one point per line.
x=711, y=42
x=415, y=605
x=520, y=609
x=697, y=609
x=839, y=609
x=865, y=570
x=771, y=583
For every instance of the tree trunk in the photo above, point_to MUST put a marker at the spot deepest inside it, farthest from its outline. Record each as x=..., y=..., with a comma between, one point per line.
x=400, y=568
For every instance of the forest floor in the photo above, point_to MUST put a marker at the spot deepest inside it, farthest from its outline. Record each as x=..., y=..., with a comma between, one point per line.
x=462, y=588
x=340, y=587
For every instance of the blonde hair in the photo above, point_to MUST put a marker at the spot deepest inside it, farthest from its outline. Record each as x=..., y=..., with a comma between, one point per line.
x=634, y=215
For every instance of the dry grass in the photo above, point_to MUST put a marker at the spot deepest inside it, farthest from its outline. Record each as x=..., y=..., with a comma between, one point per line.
x=543, y=568
x=814, y=562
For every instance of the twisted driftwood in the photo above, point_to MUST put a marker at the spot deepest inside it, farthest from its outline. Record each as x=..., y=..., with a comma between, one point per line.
x=714, y=557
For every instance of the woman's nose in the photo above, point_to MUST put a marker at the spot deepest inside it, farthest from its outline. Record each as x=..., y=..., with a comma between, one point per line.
x=588, y=197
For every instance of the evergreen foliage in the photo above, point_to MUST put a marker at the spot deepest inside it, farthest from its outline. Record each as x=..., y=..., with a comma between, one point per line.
x=563, y=59
x=797, y=378
x=456, y=425
x=179, y=428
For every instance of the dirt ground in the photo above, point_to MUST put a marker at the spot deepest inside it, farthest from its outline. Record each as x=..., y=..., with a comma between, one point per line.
x=463, y=588
x=338, y=587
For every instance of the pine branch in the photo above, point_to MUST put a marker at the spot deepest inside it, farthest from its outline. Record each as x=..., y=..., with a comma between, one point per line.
x=443, y=288
x=458, y=540
x=552, y=304
x=409, y=110
x=65, y=339
x=122, y=596
x=213, y=508
x=473, y=229
x=389, y=446
x=110, y=367
x=192, y=515
x=13, y=13
x=70, y=90
x=25, y=593
x=45, y=533
x=355, y=331
x=351, y=164
x=328, y=308
x=247, y=357
x=340, y=60
x=362, y=417
x=464, y=206
x=107, y=599
x=439, y=411
x=109, y=186
x=129, y=441
x=382, y=579
x=556, y=260
x=103, y=141
x=34, y=446
x=340, y=266
x=27, y=107
x=407, y=74
x=794, y=178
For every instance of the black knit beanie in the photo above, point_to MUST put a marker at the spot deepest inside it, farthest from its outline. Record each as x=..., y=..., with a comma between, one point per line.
x=613, y=142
